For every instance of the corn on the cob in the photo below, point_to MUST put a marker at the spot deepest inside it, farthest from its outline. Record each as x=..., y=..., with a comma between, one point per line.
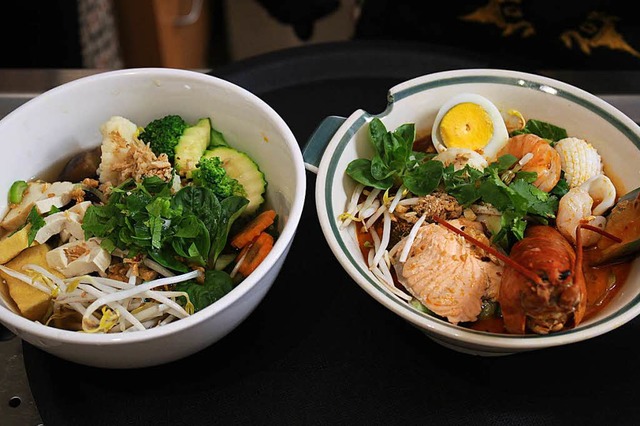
x=580, y=160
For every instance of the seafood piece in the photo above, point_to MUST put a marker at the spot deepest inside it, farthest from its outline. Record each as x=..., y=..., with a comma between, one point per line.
x=545, y=160
x=514, y=120
x=558, y=299
x=447, y=274
x=622, y=222
x=587, y=203
x=580, y=160
x=460, y=157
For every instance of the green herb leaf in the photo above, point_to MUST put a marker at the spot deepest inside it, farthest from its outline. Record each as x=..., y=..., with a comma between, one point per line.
x=424, y=178
x=360, y=171
x=216, y=285
x=37, y=222
x=231, y=208
x=394, y=161
x=543, y=129
x=561, y=188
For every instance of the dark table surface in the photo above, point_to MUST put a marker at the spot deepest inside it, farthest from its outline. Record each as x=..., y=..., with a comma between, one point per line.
x=318, y=350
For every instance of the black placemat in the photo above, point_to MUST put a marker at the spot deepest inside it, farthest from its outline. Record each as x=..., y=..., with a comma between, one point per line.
x=318, y=350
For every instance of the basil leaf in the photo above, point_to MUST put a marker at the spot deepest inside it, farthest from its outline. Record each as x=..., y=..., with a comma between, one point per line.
x=360, y=171
x=406, y=134
x=167, y=258
x=377, y=130
x=543, y=129
x=424, y=178
x=379, y=168
x=230, y=210
x=216, y=285
x=202, y=202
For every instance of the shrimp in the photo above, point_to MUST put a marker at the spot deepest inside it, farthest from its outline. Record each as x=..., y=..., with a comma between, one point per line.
x=587, y=203
x=545, y=161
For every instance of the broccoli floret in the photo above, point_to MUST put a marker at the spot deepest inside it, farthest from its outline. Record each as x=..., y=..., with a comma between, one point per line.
x=210, y=173
x=163, y=134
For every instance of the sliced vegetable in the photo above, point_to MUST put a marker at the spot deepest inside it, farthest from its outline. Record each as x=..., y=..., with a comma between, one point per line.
x=257, y=225
x=192, y=144
x=242, y=168
x=16, y=192
x=217, y=139
x=255, y=254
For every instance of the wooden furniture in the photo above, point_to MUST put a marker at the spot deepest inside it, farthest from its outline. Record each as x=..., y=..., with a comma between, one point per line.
x=164, y=33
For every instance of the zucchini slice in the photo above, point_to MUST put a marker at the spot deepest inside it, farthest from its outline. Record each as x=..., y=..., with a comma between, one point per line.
x=192, y=144
x=242, y=168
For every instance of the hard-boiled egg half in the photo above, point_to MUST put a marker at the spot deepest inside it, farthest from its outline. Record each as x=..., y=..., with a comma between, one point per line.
x=469, y=121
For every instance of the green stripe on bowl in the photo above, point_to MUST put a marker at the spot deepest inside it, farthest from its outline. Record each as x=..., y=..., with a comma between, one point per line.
x=333, y=174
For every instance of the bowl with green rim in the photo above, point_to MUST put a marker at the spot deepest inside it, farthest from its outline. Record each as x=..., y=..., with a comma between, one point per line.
x=338, y=141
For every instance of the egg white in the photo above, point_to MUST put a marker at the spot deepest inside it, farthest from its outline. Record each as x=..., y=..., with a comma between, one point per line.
x=461, y=157
x=500, y=134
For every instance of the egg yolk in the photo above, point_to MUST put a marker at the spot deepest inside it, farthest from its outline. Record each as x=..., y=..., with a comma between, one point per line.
x=466, y=125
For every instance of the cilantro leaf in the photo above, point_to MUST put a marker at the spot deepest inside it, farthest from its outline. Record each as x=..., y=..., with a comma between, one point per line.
x=37, y=222
x=173, y=230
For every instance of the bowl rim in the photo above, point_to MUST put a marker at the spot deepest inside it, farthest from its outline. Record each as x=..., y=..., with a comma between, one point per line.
x=280, y=248
x=328, y=172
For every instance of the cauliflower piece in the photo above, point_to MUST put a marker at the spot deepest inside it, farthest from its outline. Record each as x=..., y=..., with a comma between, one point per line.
x=124, y=156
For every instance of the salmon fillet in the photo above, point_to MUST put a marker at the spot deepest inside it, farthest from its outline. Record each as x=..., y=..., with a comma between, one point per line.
x=446, y=273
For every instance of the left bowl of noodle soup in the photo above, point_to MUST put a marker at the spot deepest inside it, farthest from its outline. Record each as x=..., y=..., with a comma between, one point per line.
x=147, y=210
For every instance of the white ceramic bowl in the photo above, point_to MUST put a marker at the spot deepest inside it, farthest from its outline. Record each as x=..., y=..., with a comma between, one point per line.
x=65, y=120
x=337, y=141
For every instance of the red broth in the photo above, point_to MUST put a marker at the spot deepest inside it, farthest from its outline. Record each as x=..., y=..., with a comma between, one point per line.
x=602, y=283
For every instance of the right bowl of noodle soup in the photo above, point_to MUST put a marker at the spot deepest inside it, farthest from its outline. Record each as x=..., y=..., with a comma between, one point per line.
x=493, y=209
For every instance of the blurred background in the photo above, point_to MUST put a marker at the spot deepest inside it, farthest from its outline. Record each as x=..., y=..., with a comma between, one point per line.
x=205, y=34
x=192, y=34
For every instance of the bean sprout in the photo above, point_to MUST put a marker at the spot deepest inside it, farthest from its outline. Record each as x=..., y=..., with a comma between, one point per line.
x=397, y=198
x=120, y=301
x=412, y=236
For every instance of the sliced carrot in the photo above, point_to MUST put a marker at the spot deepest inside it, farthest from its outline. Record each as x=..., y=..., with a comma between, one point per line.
x=256, y=253
x=253, y=228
